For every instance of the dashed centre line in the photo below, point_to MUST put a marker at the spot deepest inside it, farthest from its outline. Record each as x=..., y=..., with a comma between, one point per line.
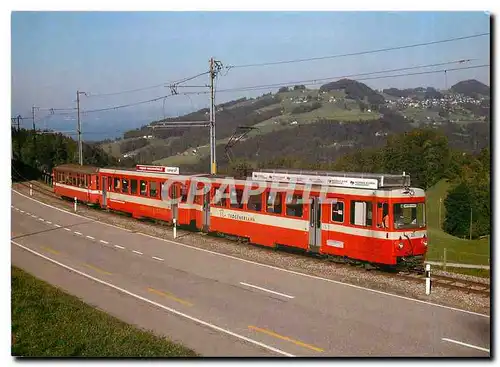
x=89, y=237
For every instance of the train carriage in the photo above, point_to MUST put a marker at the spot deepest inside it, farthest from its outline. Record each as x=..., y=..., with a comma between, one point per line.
x=145, y=194
x=374, y=218
x=82, y=182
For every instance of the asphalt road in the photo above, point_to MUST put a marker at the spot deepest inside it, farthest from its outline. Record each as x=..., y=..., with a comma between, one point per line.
x=222, y=306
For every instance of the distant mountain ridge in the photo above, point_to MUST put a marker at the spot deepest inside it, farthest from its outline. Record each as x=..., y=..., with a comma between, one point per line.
x=471, y=88
x=293, y=109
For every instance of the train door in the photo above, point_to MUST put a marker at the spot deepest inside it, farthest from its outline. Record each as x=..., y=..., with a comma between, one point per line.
x=104, y=192
x=206, y=211
x=315, y=225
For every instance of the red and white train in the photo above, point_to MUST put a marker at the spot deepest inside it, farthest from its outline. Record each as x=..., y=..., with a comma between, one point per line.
x=373, y=218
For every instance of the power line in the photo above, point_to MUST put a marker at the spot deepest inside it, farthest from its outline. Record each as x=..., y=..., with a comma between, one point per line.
x=317, y=81
x=166, y=84
x=357, y=53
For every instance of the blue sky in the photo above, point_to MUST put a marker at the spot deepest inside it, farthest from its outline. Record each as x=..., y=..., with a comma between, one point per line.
x=56, y=53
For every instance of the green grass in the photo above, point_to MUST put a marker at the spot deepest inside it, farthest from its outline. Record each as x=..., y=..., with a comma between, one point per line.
x=176, y=160
x=47, y=322
x=482, y=273
x=457, y=249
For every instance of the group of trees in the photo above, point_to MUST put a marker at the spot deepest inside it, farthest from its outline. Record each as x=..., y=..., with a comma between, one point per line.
x=35, y=153
x=469, y=196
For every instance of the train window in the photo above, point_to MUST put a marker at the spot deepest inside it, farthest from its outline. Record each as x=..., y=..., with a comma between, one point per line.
x=255, y=203
x=218, y=199
x=184, y=193
x=361, y=213
x=97, y=182
x=153, y=189
x=110, y=183
x=117, y=184
x=133, y=187
x=274, y=202
x=125, y=186
x=143, y=189
x=294, y=207
x=236, y=195
x=409, y=215
x=338, y=212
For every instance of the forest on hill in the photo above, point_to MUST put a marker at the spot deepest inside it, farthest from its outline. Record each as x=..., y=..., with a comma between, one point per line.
x=33, y=154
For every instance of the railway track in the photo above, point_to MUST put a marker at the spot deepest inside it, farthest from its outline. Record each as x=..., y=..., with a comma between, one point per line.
x=467, y=286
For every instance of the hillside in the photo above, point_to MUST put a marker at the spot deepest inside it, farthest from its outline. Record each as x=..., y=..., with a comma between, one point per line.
x=287, y=115
x=471, y=88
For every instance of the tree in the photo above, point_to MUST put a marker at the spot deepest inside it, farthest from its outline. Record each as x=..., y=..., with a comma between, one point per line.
x=458, y=207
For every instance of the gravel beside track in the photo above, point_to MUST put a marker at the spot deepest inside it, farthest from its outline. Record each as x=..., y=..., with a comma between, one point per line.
x=297, y=262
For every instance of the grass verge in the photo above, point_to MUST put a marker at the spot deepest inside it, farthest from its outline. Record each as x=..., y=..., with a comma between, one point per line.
x=457, y=249
x=47, y=322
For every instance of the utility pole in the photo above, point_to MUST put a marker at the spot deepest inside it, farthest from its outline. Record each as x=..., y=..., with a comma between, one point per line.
x=79, y=129
x=215, y=67
x=213, y=162
x=34, y=129
x=470, y=228
x=19, y=134
x=439, y=219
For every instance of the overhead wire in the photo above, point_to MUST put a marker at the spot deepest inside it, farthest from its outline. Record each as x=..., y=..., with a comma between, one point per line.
x=165, y=84
x=321, y=80
x=358, y=53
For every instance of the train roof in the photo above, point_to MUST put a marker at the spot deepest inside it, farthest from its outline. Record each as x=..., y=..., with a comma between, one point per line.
x=338, y=179
x=76, y=168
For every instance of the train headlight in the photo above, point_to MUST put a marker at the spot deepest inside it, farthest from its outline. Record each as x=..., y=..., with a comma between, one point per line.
x=400, y=245
x=424, y=242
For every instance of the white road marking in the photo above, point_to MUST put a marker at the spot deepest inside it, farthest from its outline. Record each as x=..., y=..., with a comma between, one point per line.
x=67, y=229
x=105, y=242
x=465, y=344
x=315, y=277
x=41, y=219
x=158, y=258
x=92, y=238
x=269, y=266
x=267, y=290
x=34, y=216
x=205, y=323
x=49, y=222
x=57, y=225
x=68, y=212
x=78, y=233
x=118, y=246
x=137, y=252
x=22, y=211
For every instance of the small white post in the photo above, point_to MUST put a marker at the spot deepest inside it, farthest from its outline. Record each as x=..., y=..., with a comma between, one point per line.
x=444, y=259
x=175, y=228
x=31, y=189
x=75, y=203
x=428, y=279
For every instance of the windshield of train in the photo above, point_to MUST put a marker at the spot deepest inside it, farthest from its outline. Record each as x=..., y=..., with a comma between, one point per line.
x=409, y=215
